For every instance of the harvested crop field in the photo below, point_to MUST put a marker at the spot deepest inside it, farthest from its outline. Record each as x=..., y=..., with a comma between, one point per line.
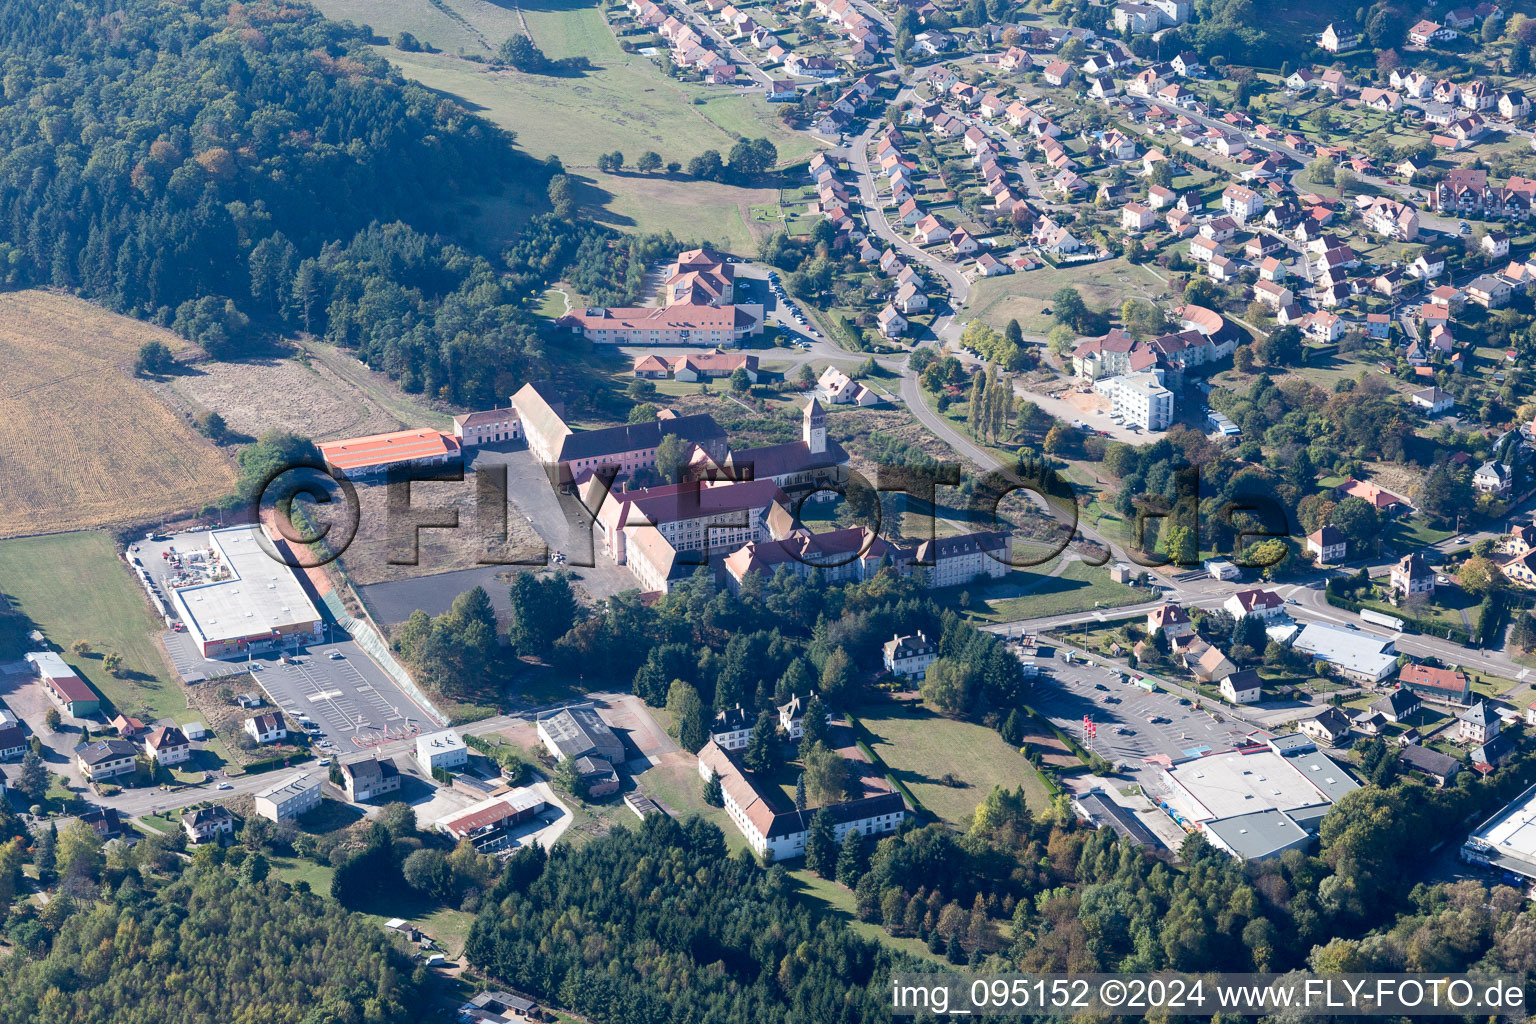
x=86, y=443
x=302, y=396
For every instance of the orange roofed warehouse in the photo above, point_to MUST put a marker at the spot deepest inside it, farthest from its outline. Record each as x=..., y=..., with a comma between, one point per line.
x=361, y=456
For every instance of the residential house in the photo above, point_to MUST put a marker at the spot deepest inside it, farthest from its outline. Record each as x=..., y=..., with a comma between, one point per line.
x=1479, y=723
x=1399, y=706
x=1136, y=218
x=1493, y=478
x=1382, y=500
x=1412, y=575
x=909, y=656
x=266, y=728
x=1338, y=40
x=208, y=824
x=13, y=742
x=1381, y=99
x=1433, y=400
x=929, y=230
x=369, y=778
x=1426, y=32
x=1437, y=767
x=1241, y=203
x=1328, y=544
x=1171, y=619
x=1211, y=666
x=167, y=745
x=106, y=759
x=1057, y=73
x=1266, y=604
x=1327, y=727
x=1490, y=291
x=1243, y=687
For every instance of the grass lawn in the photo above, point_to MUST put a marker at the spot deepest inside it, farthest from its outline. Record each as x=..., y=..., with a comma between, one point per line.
x=167, y=823
x=302, y=869
x=623, y=102
x=74, y=587
x=920, y=747
x=832, y=898
x=1415, y=532
x=1080, y=587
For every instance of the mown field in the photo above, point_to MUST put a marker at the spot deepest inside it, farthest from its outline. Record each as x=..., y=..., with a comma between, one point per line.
x=1024, y=297
x=85, y=443
x=622, y=103
x=74, y=587
x=921, y=747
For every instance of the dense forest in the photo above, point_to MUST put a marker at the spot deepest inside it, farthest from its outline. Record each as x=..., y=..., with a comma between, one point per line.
x=235, y=169
x=638, y=925
x=215, y=944
x=660, y=925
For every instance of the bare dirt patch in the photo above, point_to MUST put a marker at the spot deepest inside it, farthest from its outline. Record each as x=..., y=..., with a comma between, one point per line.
x=85, y=443
x=379, y=552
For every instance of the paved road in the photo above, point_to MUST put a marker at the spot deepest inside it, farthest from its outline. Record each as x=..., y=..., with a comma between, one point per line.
x=874, y=215
x=728, y=49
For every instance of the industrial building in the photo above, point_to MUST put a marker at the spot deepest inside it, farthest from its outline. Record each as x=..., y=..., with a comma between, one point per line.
x=579, y=732
x=1254, y=802
x=376, y=453
x=68, y=690
x=251, y=600
x=1359, y=655
x=488, y=824
x=1508, y=839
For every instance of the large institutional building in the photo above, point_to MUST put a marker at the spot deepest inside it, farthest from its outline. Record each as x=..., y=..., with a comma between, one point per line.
x=699, y=309
x=774, y=829
x=624, y=450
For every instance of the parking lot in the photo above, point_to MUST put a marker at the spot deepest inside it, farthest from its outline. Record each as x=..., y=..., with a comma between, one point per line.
x=352, y=700
x=1065, y=693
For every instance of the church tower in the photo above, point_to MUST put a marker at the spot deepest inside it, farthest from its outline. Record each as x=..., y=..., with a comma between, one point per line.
x=814, y=430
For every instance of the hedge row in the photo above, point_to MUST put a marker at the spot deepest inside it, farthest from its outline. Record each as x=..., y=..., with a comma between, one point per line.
x=1428, y=627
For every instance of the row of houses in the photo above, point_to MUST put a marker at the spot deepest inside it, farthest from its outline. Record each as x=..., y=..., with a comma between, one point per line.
x=689, y=48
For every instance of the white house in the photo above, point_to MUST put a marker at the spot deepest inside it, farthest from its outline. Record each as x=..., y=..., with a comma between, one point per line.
x=1243, y=687
x=909, y=656
x=266, y=728
x=1266, y=604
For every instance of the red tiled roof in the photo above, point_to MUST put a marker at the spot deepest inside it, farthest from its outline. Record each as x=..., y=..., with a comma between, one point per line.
x=385, y=449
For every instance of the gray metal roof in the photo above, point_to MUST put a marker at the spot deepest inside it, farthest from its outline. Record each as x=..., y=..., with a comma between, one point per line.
x=1260, y=834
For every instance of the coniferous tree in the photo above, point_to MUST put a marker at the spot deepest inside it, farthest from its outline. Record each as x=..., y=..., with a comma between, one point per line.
x=821, y=845
x=850, y=859
x=763, y=745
